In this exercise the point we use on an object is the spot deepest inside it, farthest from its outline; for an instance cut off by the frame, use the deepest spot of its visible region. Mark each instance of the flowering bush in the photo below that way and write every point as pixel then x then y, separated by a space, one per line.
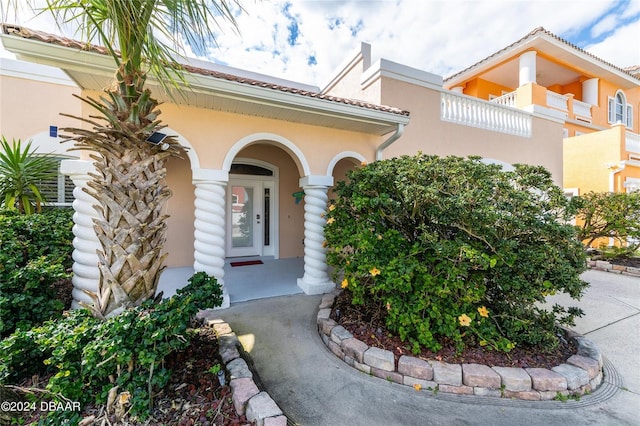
pixel 455 250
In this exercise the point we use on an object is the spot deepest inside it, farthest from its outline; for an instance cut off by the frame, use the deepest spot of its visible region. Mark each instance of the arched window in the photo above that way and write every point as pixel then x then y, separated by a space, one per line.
pixel 620 111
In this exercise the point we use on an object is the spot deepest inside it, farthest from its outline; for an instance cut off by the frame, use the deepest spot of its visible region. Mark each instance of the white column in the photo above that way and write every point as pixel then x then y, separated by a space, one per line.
pixel 209 244
pixel 590 91
pixel 316 278
pixel 86 274
pixel 528 67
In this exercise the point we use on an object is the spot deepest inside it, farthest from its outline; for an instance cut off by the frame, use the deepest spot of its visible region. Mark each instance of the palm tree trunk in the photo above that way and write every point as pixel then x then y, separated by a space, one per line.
pixel 130 187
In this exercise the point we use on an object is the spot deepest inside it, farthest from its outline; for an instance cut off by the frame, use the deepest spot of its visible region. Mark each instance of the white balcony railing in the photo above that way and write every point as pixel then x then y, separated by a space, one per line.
pixel 582 109
pixel 473 112
pixel 557 101
pixel 632 142
pixel 508 99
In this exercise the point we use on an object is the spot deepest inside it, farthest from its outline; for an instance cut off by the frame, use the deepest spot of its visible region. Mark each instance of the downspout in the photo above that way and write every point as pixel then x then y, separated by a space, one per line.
pixel 384 145
pixel 613 170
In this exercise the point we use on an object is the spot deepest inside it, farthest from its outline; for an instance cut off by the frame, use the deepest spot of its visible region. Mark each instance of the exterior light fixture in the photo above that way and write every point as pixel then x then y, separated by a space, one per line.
pixel 157 138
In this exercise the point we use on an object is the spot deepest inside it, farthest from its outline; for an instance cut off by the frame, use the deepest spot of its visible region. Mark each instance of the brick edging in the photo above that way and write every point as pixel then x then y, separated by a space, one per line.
pixel 247 398
pixel 580 374
pixel 603 265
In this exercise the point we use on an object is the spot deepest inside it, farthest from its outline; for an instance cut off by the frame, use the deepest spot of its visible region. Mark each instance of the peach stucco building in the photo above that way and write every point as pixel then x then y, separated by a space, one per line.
pixel 598 101
pixel 257 145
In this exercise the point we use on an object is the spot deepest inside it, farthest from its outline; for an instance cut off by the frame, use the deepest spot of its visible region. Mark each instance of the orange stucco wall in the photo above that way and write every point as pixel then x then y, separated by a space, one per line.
pixel 483 89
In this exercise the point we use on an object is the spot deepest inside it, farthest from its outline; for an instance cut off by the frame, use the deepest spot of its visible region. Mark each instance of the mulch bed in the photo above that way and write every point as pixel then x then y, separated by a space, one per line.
pixel 633 262
pixel 372 331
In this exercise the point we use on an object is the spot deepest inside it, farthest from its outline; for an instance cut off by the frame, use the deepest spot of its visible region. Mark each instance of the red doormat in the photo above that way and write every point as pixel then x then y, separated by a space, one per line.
pixel 247 262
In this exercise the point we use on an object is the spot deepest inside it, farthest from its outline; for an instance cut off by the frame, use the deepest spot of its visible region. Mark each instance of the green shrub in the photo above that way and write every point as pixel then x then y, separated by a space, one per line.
pixel 455 250
pixel 86 357
pixel 609 215
pixel 35 253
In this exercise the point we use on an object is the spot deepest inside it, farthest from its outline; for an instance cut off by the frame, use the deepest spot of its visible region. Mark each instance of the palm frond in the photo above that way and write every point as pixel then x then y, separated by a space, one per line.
pixel 147 34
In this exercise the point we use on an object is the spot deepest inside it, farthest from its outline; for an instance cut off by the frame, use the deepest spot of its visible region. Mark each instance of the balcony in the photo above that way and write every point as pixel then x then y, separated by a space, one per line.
pixel 581 110
pixel 482 114
pixel 557 101
pixel 632 142
pixel 574 108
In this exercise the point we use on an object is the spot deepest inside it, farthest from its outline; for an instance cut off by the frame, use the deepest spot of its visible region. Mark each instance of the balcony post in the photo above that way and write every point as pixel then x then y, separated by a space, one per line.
pixel 528 67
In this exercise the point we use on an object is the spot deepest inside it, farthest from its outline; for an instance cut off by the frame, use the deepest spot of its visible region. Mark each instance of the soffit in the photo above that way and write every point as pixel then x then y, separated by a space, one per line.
pixel 568 65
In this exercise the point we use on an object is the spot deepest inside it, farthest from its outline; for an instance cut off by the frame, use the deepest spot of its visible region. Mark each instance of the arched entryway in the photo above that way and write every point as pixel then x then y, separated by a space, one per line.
pixel 252 206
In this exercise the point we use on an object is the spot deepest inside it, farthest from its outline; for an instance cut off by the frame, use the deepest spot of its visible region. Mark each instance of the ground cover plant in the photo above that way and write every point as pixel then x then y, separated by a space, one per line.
pixel 35 267
pixel 455 252
pixel 122 364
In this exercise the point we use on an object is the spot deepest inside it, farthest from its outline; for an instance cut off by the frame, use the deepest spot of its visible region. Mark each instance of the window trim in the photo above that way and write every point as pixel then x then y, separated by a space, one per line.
pixel 619 100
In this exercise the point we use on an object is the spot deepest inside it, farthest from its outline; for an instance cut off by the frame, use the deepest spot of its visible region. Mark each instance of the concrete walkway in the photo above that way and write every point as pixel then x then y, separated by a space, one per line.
pixel 313 387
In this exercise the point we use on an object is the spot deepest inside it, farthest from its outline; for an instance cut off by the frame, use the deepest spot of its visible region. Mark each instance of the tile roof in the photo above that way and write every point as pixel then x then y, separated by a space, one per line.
pixel 20 31
pixel 541 30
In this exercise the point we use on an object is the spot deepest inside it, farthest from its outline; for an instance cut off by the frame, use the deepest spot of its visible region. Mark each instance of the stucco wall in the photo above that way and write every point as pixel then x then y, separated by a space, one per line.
pixel 213 134
pixel 28 107
pixel 586 159
pixel 180 209
pixel 429 134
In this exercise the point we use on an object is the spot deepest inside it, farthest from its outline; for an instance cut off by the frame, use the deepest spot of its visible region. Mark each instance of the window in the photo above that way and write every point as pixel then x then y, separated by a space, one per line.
pixel 620 111
pixel 57 191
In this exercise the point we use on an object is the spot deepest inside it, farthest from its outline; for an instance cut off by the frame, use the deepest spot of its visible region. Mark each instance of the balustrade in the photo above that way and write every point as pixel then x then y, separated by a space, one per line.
pixel 557 101
pixel 632 142
pixel 479 113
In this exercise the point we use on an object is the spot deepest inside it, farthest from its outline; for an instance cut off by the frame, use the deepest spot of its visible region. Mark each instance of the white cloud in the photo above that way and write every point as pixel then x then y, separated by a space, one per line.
pixel 607 24
pixel 621 48
pixel 439 36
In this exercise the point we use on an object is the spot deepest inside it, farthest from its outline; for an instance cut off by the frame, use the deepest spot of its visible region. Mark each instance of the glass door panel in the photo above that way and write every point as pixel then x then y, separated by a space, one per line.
pixel 242 216
pixel 244 225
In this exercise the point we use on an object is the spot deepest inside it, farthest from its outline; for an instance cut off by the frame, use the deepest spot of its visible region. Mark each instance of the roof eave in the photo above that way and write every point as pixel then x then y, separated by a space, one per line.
pixel 528 43
pixel 70 59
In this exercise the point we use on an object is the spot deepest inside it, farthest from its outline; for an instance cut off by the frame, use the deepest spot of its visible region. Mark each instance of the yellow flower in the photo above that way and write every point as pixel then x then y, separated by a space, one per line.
pixel 417 386
pixel 483 311
pixel 344 283
pixel 332 207
pixel 374 271
pixel 330 221
pixel 483 343
pixel 364 163
pixel 379 236
pixel 465 321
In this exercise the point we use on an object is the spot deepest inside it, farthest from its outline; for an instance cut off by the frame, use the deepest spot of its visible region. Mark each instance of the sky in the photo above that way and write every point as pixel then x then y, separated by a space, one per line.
pixel 307 40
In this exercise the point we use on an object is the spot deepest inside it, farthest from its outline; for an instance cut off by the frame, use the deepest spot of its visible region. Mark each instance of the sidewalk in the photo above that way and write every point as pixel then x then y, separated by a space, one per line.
pixel 313 387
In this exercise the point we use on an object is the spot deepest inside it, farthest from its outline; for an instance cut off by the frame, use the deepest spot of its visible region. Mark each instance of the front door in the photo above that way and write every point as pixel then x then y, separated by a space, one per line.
pixel 246 218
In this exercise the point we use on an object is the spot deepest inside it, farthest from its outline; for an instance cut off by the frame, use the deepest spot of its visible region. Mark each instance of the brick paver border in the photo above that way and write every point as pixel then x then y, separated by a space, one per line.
pixel 582 373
